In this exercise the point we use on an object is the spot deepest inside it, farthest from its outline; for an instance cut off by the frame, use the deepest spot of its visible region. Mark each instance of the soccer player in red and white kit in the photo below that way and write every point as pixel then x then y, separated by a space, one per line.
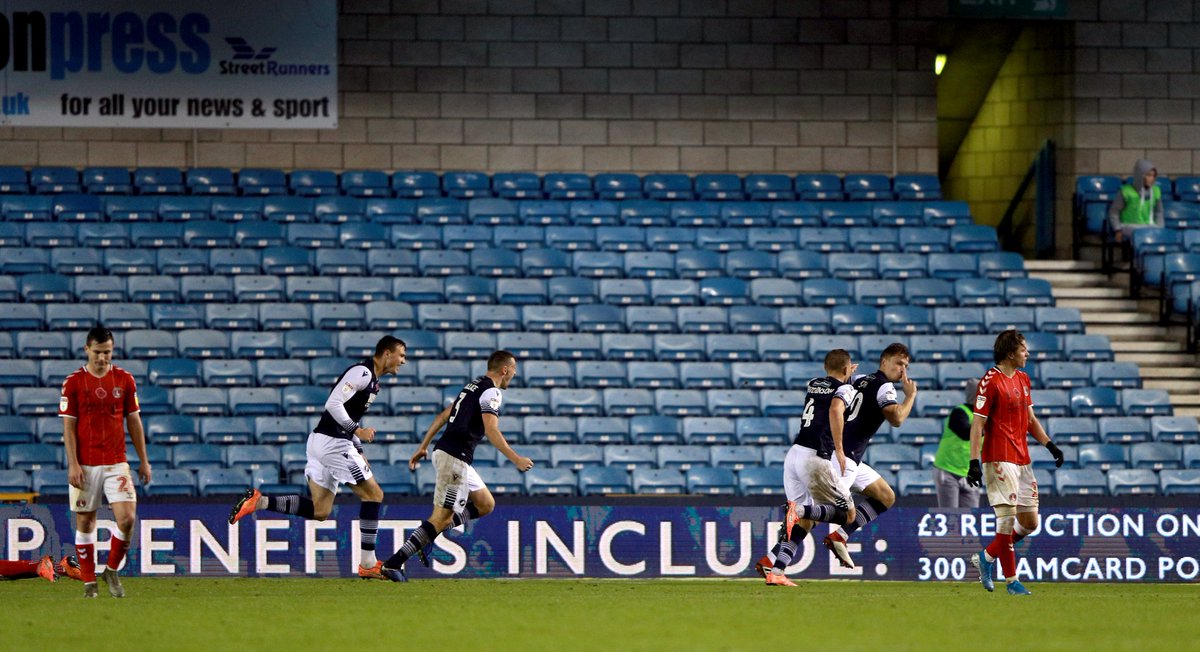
pixel 98 402
pixel 1004 415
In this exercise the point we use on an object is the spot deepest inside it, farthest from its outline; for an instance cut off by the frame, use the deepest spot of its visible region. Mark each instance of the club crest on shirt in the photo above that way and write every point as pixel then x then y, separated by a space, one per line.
pixel 116 392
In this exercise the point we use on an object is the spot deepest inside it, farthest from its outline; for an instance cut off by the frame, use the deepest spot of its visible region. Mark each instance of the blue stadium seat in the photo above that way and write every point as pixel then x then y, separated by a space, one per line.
pixel 1124 430
pixel 1179 482
pixel 600 430
pixel 13 180
pixel 1175 429
pixel 897 214
pixel 868 187
pixel 33 457
pixel 594 213
pixel 107 181
pixel 1028 292
pixel 1059 320
pixel 795 214
pixel 1071 482
pixel 658 481
pixel 958 320
pixel 628 402
pixel 906 319
pixel 1146 402
pixel 391 211
pixel 929 292
pixel 1103 456
pixel 30 316
pixel 238 209
pixel 568 186
pixel 1073 430
pixel 538 213
pixel 364 183
pixel 1001 318
pixel 491 212
pixel 917 431
pixel 312 183
pixel 571 238
pixel 43 346
pixel 846 215
pixel 554 318
pixel 805 320
pixel 978 292
pixel 760 481
pixel 441 211
pixel 1088 347
pixel 855 319
pixel 1116 374
pixel 977 348
pixel 27 208
pixel 913 482
pixel 197 456
pixel 517 185
pixel 956 375
pixel 1051 403
pixel 53 180
pixel 14 481
pixel 603 480
pixel 951 266
pixel 222 482
pixel 420 290
pixel 947 213
pixel 348 210
pixel 774 187
pixel 281 430
pixel 875 292
pixel 893 457
pixel 973 238
pixel 818 187
pixel 261 181
pixel 924 240
pixel 911 187
pixel 1132 481
pixel 227 430
pixel 824 239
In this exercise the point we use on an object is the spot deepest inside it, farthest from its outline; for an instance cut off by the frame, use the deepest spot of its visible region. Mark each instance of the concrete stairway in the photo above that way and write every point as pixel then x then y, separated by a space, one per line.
pixel 1132 326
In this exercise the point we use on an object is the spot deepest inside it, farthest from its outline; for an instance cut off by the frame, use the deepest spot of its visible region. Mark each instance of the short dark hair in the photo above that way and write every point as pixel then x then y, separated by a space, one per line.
pixel 388 343
pixel 500 359
pixel 836 360
pixel 894 349
pixel 1007 344
pixel 98 335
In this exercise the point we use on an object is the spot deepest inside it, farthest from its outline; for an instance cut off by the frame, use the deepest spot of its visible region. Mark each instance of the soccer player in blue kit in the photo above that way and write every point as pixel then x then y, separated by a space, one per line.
pixel 813 468
pixel 459 495
pixel 874 402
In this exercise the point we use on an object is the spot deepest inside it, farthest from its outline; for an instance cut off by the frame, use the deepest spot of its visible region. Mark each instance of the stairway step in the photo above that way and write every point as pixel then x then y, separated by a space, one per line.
pixel 1151 346
pixel 1148 359
pixel 1138 318
pixel 1161 373
pixel 1190 411
pixel 1063 292
pixel 1185 401
pixel 1074 279
pixel 1173 385
pixel 1100 305
pixel 1059 265
pixel 1126 333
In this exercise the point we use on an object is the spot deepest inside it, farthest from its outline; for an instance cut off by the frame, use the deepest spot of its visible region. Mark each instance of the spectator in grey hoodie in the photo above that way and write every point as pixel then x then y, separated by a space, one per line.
pixel 1137 205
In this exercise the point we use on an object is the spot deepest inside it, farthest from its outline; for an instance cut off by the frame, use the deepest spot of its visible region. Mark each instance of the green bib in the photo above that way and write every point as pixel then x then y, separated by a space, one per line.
pixel 954 454
pixel 1137 211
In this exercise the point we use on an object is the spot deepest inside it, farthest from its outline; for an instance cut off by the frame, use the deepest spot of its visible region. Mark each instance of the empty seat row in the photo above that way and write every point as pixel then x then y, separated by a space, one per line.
pixel 35 272
pixel 463 184
pixel 663 346
pixel 80 208
pixel 645 398
pixel 396 479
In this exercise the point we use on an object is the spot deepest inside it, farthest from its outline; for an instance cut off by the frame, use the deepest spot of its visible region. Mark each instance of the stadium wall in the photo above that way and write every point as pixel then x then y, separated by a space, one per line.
pixel 646 538
pixel 591 85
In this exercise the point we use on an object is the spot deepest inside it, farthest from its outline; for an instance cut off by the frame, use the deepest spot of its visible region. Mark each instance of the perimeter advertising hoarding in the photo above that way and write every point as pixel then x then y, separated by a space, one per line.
pixel 181 539
pixel 144 63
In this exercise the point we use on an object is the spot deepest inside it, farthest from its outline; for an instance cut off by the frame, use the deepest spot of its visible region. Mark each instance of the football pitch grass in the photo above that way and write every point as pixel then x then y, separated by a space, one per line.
pixel 228 615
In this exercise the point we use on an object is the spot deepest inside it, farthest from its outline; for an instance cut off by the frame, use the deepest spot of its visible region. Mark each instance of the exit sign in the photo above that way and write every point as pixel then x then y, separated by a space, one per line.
pixel 1008 8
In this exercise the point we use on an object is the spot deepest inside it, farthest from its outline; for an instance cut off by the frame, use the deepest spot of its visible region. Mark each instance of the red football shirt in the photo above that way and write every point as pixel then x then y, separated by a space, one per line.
pixel 100 406
pixel 1005 403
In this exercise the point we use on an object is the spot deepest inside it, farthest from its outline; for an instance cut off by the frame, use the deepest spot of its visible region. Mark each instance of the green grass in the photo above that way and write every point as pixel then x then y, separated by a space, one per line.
pixel 229 615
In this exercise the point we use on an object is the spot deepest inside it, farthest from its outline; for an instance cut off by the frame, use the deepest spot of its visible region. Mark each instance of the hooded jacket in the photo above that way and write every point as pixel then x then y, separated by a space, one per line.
pixel 1118 207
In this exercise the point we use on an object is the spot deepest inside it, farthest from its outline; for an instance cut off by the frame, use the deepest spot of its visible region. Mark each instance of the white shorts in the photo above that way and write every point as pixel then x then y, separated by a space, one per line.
pixel 455 481
pixel 333 462
pixel 1010 484
pixel 113 481
pixel 809 479
pixel 858 476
